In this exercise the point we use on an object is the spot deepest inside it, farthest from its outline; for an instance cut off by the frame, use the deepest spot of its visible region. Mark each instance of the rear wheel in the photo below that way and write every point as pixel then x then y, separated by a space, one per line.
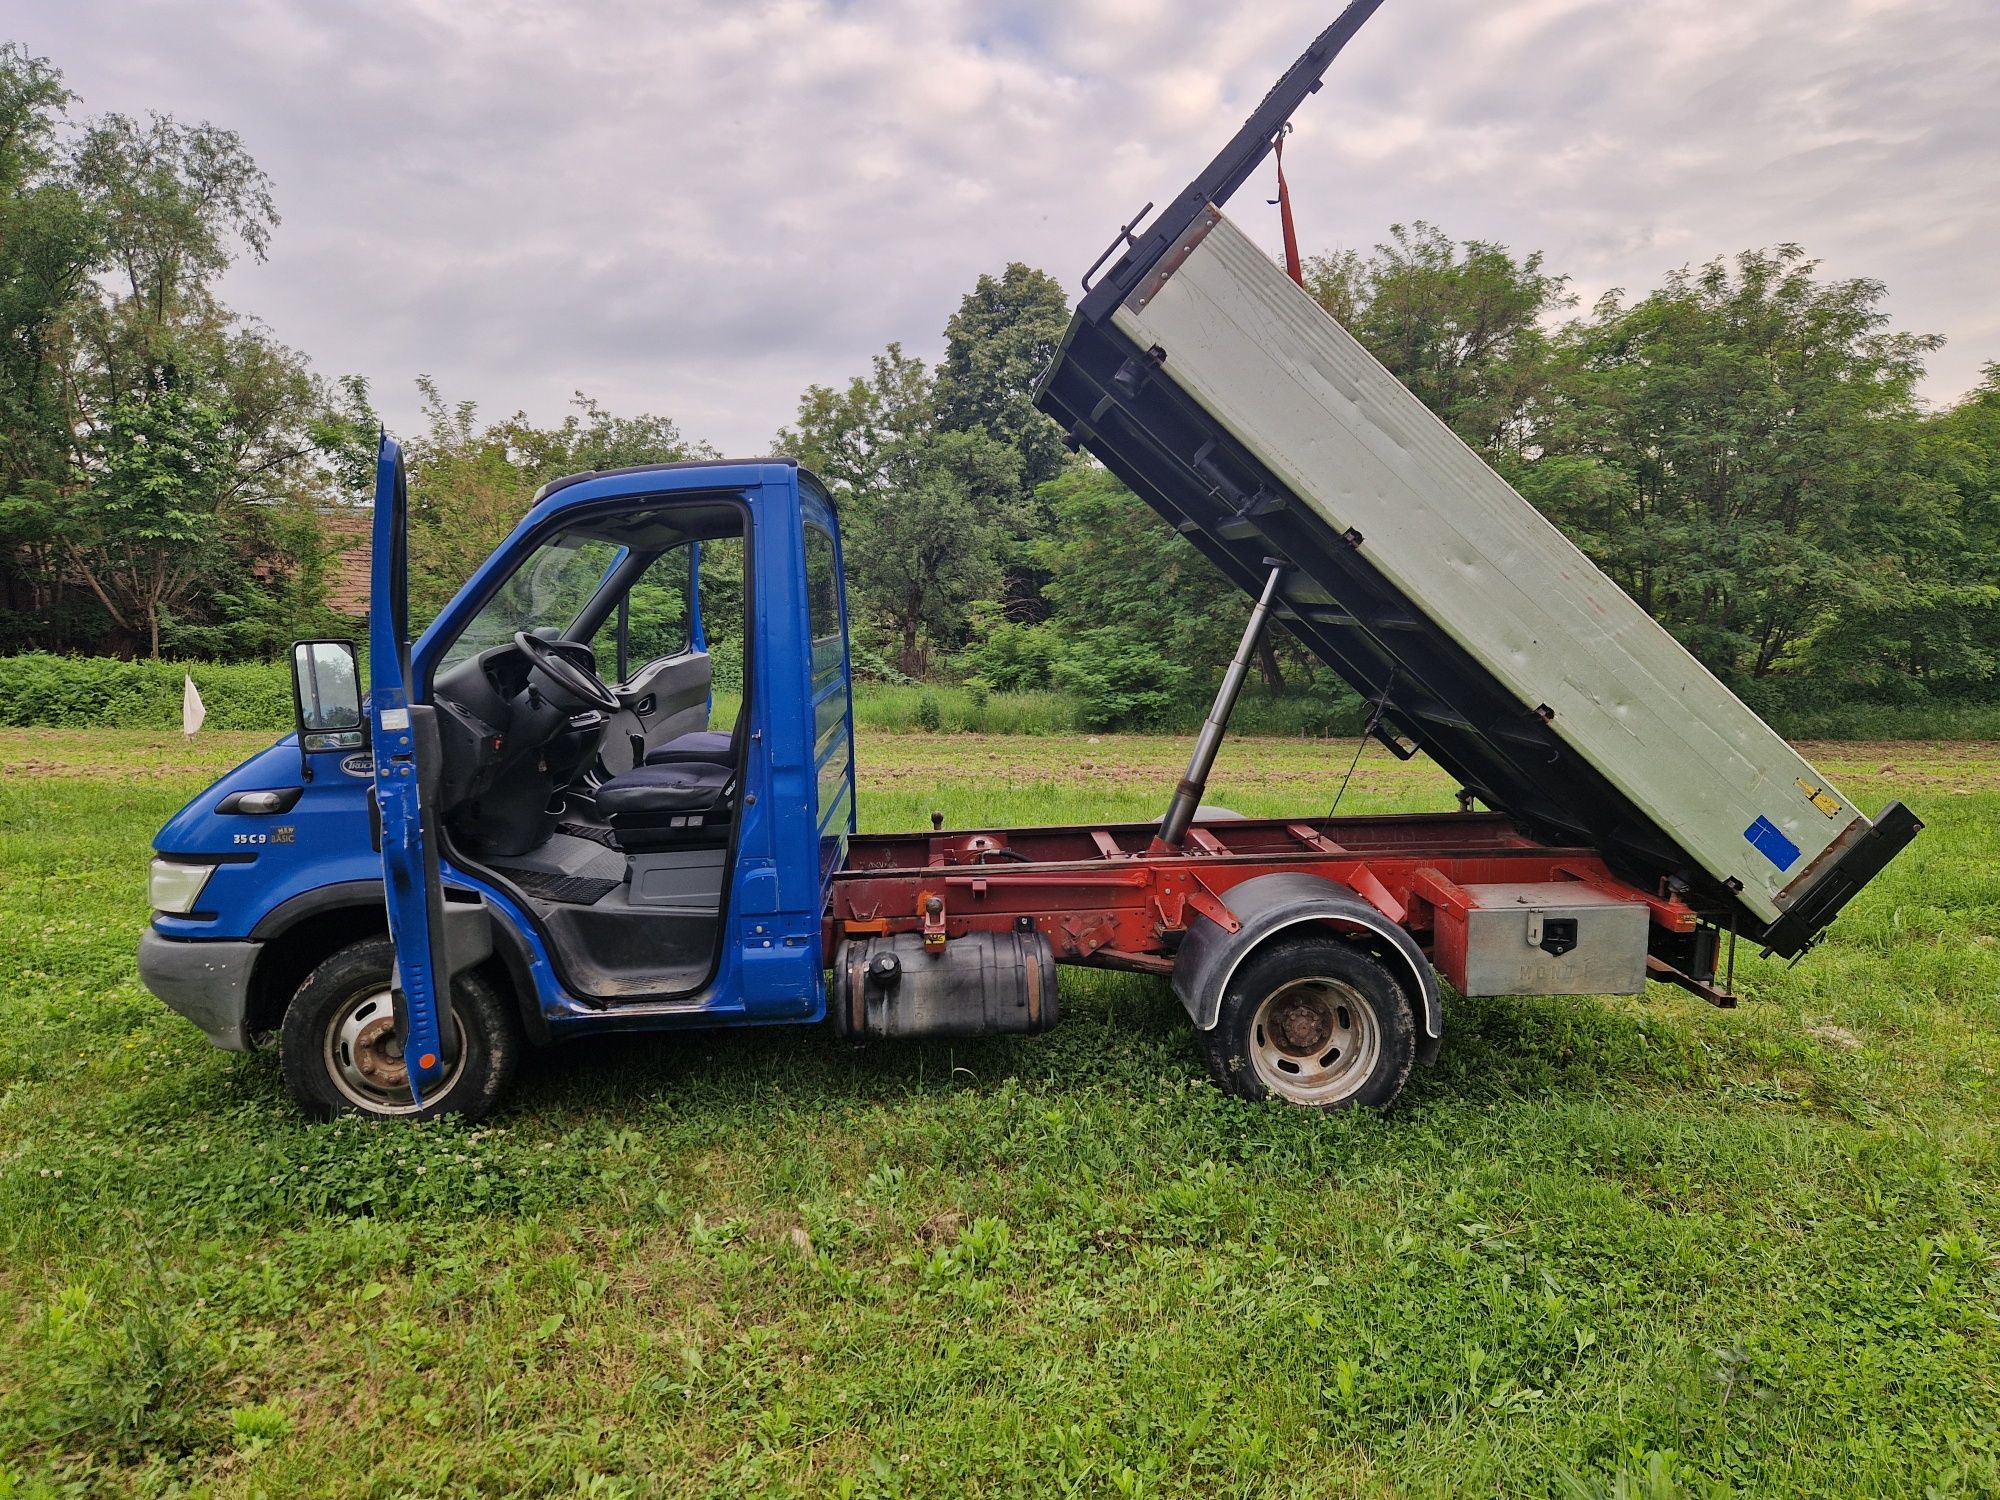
pixel 341 1057
pixel 1315 1022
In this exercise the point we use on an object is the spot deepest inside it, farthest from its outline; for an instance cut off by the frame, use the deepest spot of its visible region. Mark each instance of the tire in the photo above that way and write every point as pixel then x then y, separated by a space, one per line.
pixel 335 1061
pixel 1348 1040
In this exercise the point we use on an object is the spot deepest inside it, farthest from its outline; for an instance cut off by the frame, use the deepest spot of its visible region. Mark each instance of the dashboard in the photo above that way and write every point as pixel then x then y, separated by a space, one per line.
pixel 507 749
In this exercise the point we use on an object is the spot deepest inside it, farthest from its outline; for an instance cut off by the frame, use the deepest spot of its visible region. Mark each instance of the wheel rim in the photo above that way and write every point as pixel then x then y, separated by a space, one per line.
pixel 365 1062
pixel 1315 1041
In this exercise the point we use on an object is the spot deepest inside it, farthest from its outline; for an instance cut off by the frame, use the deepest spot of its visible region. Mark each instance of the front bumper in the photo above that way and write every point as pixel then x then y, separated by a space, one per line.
pixel 208 982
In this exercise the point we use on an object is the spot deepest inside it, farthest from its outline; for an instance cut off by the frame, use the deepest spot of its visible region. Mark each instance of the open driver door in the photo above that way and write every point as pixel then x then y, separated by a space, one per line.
pixel 406 779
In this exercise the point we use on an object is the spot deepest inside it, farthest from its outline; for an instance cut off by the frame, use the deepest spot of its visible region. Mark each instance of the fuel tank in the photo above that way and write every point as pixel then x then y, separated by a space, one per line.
pixel 982 984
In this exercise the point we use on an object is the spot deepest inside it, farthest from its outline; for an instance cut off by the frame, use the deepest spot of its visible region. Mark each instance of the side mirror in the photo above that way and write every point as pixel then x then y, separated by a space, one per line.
pixel 326 692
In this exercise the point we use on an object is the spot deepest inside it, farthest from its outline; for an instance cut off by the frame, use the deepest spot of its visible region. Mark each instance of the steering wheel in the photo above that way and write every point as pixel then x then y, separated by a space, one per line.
pixel 546 656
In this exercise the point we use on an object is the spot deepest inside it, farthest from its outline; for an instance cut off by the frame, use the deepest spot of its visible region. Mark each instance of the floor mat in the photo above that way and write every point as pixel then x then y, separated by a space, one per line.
pixel 588 831
pixel 546 885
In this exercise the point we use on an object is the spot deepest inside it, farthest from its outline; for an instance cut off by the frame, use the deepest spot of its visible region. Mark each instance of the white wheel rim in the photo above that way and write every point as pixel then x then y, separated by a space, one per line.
pixel 364 1063
pixel 1315 1041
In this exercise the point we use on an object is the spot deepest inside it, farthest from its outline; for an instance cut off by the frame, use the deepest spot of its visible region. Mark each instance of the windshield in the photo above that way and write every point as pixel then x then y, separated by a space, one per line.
pixel 544 595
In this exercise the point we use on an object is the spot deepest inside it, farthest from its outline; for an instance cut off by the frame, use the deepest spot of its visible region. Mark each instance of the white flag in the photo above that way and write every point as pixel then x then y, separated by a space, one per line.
pixel 193 711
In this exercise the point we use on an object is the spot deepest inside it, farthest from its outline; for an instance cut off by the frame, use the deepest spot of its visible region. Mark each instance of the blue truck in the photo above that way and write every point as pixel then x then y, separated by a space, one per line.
pixel 530 824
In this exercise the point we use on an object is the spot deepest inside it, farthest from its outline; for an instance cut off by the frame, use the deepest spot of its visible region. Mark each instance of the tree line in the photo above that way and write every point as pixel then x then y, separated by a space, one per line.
pixel 1742 448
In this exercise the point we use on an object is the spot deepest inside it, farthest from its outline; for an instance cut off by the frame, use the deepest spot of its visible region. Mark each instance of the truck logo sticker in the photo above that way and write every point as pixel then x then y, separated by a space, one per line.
pixel 362 765
pixel 1820 798
pixel 1767 840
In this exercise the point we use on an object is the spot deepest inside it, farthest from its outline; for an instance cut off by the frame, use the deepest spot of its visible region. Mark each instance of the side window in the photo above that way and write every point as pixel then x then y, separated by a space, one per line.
pixel 653 618
pixel 822 586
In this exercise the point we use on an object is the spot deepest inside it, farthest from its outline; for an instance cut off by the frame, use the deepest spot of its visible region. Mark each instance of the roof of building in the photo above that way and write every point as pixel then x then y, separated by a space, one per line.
pixel 347 576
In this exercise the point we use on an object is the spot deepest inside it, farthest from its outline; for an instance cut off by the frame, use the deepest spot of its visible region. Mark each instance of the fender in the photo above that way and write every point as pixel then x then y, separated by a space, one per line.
pixel 468 919
pixel 474 930
pixel 340 893
pixel 1271 904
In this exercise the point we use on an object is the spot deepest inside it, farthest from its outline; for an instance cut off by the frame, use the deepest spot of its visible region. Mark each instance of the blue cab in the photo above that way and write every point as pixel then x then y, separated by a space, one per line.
pixel 535 809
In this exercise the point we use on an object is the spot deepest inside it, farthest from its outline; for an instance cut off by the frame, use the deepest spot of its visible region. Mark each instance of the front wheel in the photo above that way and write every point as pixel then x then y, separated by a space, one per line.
pixel 341 1057
pixel 1316 1022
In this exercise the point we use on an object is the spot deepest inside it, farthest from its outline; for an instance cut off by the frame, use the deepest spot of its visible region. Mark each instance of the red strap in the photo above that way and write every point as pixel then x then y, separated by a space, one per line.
pixel 1293 267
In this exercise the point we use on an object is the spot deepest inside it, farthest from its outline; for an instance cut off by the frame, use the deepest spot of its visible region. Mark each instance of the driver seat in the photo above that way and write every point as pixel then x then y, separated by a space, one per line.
pixel 667 807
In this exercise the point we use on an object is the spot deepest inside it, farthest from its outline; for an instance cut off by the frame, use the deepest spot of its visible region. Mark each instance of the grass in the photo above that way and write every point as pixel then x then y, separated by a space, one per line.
pixel 1620 1247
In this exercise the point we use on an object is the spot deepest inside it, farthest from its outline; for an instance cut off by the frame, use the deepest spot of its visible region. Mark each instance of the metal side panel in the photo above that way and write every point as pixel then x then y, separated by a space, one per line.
pixel 1375 470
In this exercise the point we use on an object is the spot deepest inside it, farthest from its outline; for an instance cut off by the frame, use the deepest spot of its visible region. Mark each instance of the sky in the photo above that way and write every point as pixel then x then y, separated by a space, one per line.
pixel 699 209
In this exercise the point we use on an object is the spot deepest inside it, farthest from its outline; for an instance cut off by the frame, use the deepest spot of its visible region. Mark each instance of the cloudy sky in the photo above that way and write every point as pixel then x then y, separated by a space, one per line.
pixel 697 209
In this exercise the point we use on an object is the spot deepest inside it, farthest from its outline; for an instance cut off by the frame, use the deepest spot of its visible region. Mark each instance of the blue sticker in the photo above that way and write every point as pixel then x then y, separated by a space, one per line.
pixel 1768 841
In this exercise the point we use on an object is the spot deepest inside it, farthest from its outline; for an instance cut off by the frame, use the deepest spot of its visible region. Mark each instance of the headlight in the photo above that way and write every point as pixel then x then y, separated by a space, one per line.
pixel 174 887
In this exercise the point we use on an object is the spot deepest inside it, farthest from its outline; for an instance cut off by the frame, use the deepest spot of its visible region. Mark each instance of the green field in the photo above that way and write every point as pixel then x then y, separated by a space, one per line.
pixel 1630 1247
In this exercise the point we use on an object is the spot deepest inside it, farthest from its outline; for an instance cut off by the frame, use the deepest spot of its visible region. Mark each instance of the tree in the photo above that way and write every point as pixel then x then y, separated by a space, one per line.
pixel 924 557
pixel 48 241
pixel 925 509
pixel 1141 618
pixel 175 200
pixel 149 441
pixel 1112 561
pixel 150 529
pixel 996 346
pixel 1923 615
pixel 999 342
pixel 174 203
pixel 1721 446
pixel 852 437
pixel 158 455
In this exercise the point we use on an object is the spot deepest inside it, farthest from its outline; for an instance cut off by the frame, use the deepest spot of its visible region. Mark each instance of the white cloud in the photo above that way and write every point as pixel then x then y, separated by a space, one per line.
pixel 697 209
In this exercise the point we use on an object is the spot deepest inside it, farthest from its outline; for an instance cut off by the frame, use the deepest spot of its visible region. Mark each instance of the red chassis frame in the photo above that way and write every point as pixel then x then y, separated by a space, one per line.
pixel 1103 897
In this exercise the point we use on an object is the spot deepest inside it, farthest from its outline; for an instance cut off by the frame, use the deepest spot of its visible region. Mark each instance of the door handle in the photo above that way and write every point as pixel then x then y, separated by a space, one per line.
pixel 645 706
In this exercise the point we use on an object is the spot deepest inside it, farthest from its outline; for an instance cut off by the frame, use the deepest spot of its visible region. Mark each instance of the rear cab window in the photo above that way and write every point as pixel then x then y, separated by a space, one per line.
pixel 833 745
